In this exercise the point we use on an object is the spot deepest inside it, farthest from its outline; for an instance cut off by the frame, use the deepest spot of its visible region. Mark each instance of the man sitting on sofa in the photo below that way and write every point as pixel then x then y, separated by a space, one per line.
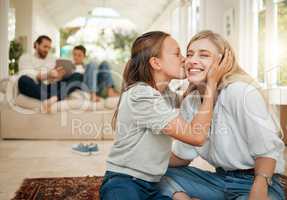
pixel 40 79
pixel 97 79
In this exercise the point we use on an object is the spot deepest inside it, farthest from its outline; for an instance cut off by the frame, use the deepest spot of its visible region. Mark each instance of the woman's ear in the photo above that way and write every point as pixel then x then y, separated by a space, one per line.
pixel 154 62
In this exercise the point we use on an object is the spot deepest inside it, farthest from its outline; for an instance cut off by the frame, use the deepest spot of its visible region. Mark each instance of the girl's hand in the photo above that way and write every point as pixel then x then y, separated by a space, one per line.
pixel 217 70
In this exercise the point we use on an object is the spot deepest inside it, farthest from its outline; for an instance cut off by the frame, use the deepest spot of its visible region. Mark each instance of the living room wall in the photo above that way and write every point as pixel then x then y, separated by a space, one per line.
pixel 33 20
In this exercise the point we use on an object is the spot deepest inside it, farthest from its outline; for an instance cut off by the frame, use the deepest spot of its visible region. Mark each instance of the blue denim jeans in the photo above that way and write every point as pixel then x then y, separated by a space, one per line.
pixel 42 91
pixel 218 185
pixel 99 78
pixel 118 186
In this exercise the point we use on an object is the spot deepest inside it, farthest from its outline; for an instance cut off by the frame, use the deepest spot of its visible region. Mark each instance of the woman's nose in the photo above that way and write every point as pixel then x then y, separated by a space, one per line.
pixel 194 61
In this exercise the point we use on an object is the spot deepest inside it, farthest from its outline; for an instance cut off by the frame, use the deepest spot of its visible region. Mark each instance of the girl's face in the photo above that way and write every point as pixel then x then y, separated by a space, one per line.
pixel 171 60
pixel 201 54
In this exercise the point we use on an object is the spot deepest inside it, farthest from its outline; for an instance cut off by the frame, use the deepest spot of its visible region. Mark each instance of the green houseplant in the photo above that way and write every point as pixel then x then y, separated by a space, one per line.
pixel 15 52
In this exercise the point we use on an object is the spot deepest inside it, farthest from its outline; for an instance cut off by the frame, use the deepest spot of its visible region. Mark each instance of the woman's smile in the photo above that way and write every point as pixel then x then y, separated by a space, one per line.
pixel 192 70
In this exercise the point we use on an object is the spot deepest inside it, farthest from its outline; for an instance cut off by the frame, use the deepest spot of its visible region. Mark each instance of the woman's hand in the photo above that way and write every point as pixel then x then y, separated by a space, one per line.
pixel 259 189
pixel 218 69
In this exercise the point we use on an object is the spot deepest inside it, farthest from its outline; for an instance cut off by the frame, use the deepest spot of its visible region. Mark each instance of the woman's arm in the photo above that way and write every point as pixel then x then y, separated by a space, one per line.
pixel 263 167
pixel 175 161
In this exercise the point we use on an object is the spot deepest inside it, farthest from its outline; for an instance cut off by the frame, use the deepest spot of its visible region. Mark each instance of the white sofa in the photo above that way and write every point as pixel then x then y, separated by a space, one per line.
pixel 73 118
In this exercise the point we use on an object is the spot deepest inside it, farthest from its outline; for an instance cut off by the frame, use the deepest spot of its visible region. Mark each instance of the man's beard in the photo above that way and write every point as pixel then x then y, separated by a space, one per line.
pixel 42 54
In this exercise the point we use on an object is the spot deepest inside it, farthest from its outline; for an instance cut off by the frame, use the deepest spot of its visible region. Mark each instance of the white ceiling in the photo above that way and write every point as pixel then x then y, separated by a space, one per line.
pixel 141 12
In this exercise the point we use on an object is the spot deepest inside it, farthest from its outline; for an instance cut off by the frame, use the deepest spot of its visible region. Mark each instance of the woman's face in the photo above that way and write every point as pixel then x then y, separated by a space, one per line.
pixel 201 54
pixel 171 60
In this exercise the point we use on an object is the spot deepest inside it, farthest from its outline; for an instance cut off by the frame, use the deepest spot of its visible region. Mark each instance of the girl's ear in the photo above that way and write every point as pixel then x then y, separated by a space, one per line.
pixel 154 62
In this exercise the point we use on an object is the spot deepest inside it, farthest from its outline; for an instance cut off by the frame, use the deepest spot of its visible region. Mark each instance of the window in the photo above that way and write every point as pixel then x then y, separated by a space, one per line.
pixel 282 41
pixel 193 18
pixel 175 22
pixel 11 24
pixel 261 43
pixel 272 40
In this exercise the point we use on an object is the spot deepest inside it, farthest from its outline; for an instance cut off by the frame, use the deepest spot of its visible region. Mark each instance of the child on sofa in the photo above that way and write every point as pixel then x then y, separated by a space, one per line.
pixel 97 79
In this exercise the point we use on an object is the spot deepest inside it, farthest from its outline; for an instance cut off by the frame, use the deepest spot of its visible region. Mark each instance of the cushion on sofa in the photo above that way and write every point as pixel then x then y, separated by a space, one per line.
pixel 111 102
pixel 28 102
pixel 79 94
pixel 12 89
pixel 78 100
pixel 3 85
pixel 76 104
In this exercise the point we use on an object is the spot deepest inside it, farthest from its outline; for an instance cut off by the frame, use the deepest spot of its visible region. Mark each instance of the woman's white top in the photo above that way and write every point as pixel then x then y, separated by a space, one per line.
pixel 242 129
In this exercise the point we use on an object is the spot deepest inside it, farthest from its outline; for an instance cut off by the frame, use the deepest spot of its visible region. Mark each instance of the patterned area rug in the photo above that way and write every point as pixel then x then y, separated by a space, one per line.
pixel 72 188
pixel 78 188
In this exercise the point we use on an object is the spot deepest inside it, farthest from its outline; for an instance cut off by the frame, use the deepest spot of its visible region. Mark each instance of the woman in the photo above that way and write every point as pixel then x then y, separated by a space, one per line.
pixel 146 119
pixel 244 142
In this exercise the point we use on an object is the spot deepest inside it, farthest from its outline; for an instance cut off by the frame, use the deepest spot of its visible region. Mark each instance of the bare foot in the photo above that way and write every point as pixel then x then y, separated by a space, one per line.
pixel 182 196
pixel 95 97
pixel 46 105
pixel 112 92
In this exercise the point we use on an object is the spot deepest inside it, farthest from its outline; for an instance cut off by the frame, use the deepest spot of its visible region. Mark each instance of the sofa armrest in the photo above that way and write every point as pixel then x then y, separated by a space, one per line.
pixel 12 89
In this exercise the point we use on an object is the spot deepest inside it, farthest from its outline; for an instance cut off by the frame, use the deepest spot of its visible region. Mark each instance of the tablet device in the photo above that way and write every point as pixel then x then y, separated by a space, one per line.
pixel 68 66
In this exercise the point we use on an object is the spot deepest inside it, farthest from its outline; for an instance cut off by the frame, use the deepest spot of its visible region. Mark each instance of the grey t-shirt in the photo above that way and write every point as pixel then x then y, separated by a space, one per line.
pixel 141 149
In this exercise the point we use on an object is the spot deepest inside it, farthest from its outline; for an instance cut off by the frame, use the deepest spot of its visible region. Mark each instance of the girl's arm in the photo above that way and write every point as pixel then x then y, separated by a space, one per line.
pixel 196 132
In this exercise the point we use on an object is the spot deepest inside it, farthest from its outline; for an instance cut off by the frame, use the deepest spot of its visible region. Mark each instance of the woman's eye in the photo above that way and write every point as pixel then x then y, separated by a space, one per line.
pixel 204 55
pixel 189 55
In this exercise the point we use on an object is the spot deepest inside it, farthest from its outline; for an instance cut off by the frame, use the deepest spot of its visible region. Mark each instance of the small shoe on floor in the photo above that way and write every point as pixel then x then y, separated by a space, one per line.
pixel 85 149
pixel 81 149
pixel 93 148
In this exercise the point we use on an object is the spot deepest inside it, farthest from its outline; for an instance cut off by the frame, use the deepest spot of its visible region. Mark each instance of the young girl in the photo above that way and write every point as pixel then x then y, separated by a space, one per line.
pixel 146 119
pixel 243 144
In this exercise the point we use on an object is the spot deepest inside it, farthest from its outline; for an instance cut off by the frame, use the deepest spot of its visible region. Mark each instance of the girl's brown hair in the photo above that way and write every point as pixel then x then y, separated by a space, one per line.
pixel 138 68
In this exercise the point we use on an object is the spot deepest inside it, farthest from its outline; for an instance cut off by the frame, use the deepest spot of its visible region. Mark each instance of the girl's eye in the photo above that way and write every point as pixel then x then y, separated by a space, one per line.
pixel 189 55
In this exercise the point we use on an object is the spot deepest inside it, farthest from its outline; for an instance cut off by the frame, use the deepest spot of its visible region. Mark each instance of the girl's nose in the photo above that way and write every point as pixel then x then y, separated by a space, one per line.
pixel 183 59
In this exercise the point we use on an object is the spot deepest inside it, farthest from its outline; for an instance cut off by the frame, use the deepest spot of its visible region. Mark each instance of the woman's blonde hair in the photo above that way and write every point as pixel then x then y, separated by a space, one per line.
pixel 235 74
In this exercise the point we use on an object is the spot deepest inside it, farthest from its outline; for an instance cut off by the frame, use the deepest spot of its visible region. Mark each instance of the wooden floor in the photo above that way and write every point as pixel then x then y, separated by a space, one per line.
pixel 31 159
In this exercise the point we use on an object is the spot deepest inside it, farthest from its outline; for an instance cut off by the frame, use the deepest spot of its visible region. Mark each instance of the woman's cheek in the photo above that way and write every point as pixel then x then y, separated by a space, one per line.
pixel 207 64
